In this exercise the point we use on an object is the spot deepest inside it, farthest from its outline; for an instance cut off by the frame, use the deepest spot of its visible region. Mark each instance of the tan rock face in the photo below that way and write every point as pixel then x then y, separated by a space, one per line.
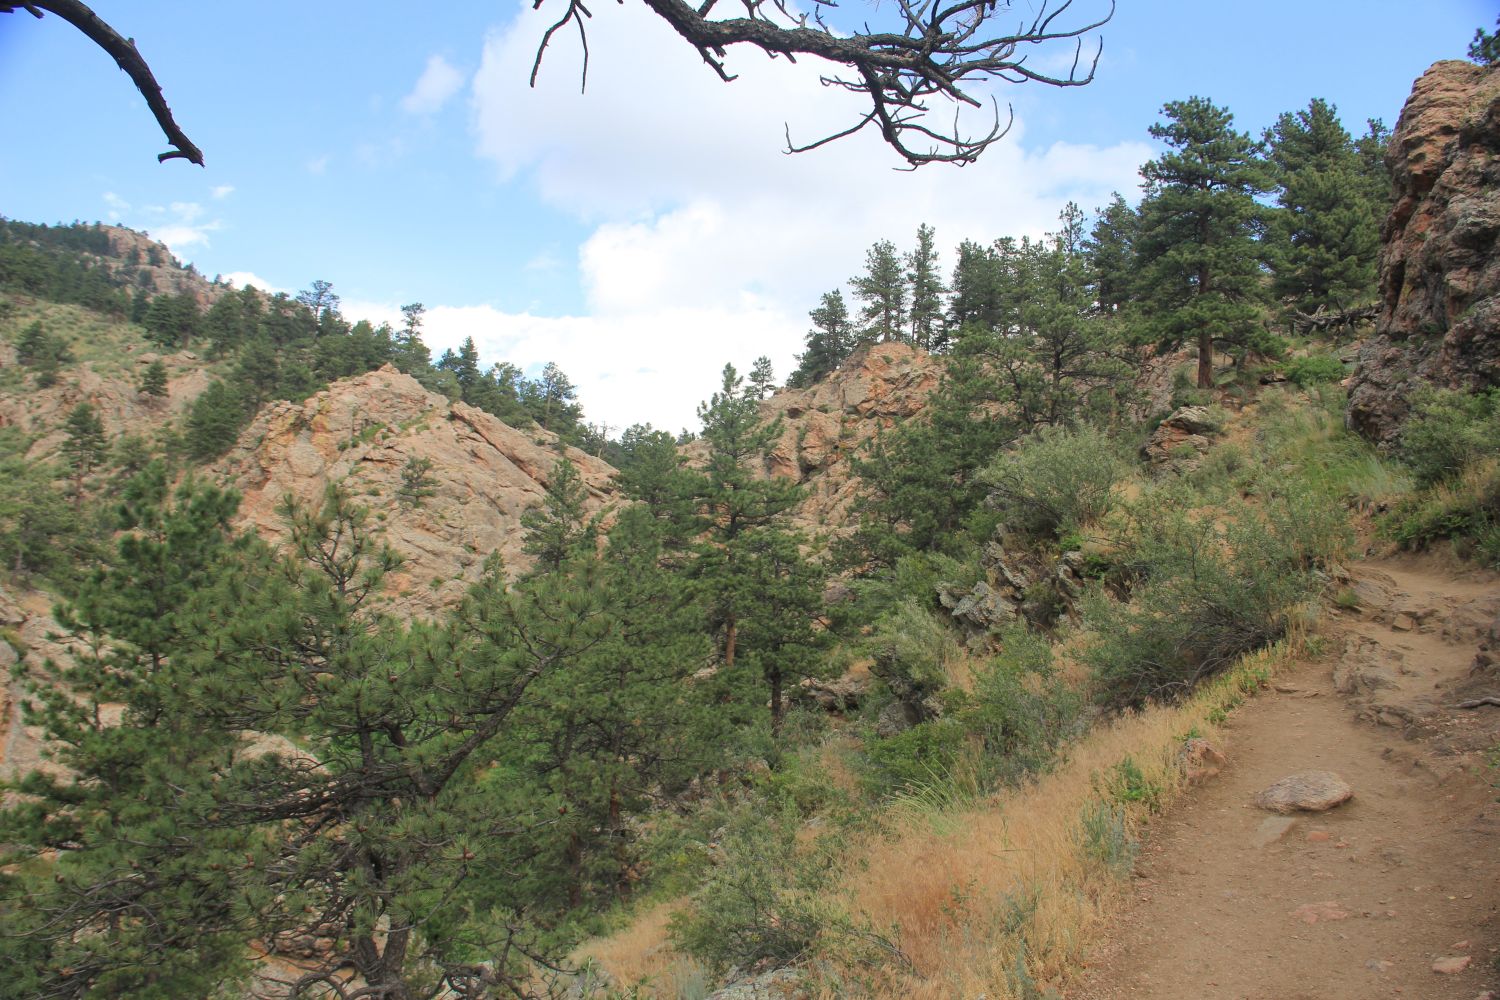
pixel 823 426
pixel 361 431
pixel 1439 317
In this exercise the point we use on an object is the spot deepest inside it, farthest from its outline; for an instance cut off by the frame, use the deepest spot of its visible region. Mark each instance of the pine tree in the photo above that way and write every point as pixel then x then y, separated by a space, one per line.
pixel 927 292
pixel 85 446
pixel 552 401
pixel 1200 258
pixel 1485 49
pixel 154 380
pixel 1327 234
pixel 975 301
pixel 1112 256
pixel 288 761
pixel 559 529
pixel 882 289
pixel 214 422
pixel 417 483
pixel 762 379
pixel 828 343
pixel 755 592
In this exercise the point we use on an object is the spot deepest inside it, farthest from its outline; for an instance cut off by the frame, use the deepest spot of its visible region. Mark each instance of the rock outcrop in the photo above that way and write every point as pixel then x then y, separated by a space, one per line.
pixel 361 432
pixel 1439 319
pixel 113 392
pixel 824 425
pixel 1182 438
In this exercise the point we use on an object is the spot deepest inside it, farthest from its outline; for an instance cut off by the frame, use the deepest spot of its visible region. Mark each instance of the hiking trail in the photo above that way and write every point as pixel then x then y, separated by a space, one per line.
pixel 1372 897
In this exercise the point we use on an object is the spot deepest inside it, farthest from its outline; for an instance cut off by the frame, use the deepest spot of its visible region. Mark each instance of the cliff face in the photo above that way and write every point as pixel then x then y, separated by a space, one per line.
pixel 361 432
pixel 1439 317
pixel 825 425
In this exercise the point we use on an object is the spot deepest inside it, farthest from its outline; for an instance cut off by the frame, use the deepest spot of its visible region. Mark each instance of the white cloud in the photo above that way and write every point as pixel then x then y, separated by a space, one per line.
pixel 434 88
pixel 117 206
pixel 709 243
pixel 222 191
pixel 245 279
pixel 318 164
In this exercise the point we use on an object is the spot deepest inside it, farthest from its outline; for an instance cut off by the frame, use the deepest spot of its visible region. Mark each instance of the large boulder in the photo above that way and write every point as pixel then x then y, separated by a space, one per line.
pixel 1439 321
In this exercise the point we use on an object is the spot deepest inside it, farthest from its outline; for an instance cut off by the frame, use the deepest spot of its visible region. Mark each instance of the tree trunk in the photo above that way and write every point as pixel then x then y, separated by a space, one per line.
pixel 731 636
pixel 1205 339
pixel 778 710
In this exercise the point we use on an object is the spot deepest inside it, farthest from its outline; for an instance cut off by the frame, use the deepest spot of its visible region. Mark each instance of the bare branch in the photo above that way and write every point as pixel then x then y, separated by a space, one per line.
pixel 127 58
pixel 943 50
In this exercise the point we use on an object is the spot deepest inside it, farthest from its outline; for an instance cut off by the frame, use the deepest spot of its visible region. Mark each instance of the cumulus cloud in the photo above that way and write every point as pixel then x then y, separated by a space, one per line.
pixel 434 88
pixel 709 244
pixel 222 191
pixel 247 279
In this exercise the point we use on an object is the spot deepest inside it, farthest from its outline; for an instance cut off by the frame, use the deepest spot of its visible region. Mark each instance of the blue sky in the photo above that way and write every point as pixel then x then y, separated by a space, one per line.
pixel 645 232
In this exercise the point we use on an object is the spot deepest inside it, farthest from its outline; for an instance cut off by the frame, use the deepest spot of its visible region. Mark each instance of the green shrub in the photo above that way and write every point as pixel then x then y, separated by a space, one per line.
pixel 763 901
pixel 1021 709
pixel 1447 430
pixel 922 757
pixel 1466 510
pixel 1314 369
pixel 1105 837
pixel 1056 480
pixel 911 652
pixel 1202 595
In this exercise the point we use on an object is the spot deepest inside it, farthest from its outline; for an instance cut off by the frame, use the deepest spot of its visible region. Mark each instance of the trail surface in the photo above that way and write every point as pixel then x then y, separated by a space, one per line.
pixel 1231 901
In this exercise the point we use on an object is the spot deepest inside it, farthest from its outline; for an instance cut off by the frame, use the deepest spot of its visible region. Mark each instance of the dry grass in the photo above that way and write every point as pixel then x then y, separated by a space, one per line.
pixel 994 897
pixel 641 953
pixel 969 891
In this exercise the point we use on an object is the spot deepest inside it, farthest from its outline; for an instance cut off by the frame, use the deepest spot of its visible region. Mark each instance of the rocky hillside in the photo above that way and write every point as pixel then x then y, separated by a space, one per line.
pixel 362 432
pixel 1439 317
pixel 825 425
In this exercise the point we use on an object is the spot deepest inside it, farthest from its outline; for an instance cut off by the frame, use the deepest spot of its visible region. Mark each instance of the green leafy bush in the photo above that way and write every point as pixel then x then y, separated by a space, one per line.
pixel 1447 430
pixel 1056 480
pixel 1021 709
pixel 911 652
pixel 922 757
pixel 1314 369
pixel 1204 593
pixel 1466 510
pixel 762 901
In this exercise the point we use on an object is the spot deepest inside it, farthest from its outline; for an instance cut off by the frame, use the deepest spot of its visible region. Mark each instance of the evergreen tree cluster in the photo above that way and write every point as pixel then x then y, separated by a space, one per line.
pixel 442 801
pixel 1200 259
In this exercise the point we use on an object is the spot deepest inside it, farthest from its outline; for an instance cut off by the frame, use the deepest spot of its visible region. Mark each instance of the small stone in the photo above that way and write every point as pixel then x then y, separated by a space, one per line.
pixel 1307 791
pixel 1378 965
pixel 1318 836
pixel 1459 946
pixel 1452 966
pixel 1311 913
pixel 1403 623
pixel 1272 829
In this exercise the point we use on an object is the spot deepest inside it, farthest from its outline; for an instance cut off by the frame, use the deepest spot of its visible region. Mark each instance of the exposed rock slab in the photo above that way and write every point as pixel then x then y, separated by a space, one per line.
pixel 1306 791
pixel 1439 321
pixel 361 432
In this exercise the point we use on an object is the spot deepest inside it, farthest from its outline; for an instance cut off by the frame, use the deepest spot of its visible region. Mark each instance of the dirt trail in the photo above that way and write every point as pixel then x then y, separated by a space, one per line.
pixel 1359 901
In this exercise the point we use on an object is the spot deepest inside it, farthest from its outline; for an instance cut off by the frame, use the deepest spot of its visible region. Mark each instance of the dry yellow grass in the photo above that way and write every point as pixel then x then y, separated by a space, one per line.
pixel 968 891
pixel 641 953
pixel 983 896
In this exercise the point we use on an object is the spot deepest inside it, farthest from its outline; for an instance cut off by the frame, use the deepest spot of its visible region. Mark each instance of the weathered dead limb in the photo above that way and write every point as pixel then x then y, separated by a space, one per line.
pixel 1478 702
pixel 942 50
pixel 126 56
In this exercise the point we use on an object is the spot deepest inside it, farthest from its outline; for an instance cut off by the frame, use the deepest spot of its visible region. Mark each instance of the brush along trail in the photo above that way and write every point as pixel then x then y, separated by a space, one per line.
pixel 1394 893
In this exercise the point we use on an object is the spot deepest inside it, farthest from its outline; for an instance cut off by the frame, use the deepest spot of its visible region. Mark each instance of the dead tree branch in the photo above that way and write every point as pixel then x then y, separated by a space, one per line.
pixel 124 52
pixel 943 51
